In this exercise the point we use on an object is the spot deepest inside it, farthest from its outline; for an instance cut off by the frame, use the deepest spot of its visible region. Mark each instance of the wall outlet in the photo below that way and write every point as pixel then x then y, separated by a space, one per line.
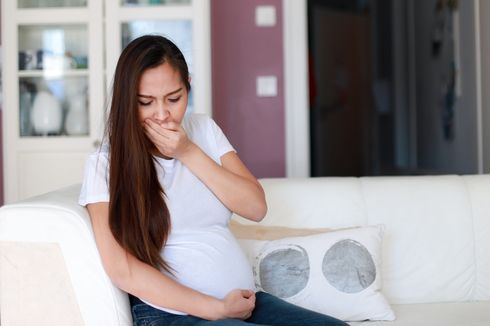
pixel 266 86
pixel 265 16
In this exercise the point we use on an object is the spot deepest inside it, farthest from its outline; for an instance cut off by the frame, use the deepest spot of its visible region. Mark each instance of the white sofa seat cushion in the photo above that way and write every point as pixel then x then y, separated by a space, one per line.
pixel 437 314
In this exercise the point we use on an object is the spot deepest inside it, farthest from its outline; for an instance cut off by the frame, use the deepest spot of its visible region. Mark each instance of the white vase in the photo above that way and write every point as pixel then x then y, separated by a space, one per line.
pixel 46 114
pixel 76 122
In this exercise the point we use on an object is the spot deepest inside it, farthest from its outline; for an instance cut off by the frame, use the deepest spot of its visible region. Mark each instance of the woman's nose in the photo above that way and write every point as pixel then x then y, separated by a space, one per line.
pixel 161 113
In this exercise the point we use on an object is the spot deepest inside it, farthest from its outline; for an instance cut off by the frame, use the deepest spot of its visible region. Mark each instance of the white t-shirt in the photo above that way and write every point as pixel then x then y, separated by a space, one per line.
pixel 200 248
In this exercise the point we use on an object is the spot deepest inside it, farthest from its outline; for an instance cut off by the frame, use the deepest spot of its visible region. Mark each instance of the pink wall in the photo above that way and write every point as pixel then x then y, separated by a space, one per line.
pixel 241 51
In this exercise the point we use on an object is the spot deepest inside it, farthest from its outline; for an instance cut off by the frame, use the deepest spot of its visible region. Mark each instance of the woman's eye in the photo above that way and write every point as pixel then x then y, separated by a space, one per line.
pixel 174 100
pixel 144 103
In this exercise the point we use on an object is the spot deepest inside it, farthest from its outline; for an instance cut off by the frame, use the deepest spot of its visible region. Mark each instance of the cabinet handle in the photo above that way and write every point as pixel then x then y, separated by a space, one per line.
pixel 96 143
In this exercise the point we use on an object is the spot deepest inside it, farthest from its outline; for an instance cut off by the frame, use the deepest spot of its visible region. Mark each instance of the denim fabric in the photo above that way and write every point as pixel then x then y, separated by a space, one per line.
pixel 269 310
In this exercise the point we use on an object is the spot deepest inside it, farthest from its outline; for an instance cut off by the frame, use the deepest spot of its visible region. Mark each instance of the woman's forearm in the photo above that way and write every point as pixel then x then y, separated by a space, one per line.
pixel 149 284
pixel 240 194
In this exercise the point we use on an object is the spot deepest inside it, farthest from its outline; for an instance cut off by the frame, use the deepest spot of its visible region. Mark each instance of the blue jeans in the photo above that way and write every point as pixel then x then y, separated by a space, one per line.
pixel 269 310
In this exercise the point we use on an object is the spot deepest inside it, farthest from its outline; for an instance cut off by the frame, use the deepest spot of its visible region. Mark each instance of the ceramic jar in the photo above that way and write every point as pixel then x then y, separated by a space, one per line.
pixel 76 122
pixel 46 114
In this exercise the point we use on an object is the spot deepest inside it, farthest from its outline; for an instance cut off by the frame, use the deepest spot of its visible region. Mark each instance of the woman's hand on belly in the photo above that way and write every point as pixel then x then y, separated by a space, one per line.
pixel 239 304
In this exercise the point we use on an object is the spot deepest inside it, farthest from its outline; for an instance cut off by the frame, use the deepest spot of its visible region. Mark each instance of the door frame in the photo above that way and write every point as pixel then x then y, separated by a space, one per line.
pixel 296 90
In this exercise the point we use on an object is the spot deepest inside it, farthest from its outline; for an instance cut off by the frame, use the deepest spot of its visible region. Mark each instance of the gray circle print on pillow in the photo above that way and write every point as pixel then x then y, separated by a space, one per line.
pixel 348 266
pixel 284 272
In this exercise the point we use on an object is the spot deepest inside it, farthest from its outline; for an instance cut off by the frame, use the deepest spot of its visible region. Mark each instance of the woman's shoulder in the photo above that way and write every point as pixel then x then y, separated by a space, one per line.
pixel 100 155
pixel 102 150
pixel 197 119
pixel 195 123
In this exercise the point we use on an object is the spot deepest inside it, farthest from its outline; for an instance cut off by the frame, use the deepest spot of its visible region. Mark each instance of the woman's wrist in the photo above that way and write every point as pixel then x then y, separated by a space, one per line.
pixel 186 154
pixel 214 309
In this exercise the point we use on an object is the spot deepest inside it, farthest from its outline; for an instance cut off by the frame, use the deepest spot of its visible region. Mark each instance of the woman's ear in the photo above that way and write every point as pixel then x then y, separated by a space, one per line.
pixel 189 79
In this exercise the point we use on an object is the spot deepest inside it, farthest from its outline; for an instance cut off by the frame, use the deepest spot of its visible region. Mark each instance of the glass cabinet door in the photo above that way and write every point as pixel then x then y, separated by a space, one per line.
pixel 185 22
pixel 53 55
pixel 53 80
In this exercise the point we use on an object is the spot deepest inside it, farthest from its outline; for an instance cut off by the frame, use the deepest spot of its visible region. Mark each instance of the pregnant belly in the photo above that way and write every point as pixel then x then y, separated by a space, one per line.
pixel 209 262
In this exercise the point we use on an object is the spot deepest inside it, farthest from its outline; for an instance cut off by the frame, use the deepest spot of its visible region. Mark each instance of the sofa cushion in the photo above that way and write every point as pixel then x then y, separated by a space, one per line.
pixel 312 203
pixel 478 193
pixel 429 248
pixel 336 273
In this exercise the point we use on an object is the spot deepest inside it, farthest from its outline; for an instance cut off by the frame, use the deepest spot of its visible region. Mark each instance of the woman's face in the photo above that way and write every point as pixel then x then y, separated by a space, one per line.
pixel 162 96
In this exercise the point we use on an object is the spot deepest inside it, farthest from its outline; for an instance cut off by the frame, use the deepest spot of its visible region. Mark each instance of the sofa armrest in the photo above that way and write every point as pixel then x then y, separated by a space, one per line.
pixel 56 218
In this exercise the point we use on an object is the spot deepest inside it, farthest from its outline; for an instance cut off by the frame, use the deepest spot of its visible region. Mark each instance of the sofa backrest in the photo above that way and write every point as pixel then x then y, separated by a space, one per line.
pixel 437 228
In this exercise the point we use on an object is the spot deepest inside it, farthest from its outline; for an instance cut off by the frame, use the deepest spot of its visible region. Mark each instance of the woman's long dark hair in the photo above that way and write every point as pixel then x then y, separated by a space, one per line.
pixel 138 215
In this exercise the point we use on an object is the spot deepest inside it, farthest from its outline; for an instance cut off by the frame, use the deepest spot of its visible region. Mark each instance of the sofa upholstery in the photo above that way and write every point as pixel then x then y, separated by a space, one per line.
pixel 436 266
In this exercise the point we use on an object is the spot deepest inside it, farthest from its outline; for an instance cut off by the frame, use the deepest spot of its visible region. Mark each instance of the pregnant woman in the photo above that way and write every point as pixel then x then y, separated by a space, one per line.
pixel 160 193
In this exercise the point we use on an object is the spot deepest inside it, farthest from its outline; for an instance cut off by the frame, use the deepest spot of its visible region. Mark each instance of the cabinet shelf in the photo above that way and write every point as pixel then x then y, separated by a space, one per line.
pixel 48 74
pixel 52 16
pixel 173 12
pixel 56 144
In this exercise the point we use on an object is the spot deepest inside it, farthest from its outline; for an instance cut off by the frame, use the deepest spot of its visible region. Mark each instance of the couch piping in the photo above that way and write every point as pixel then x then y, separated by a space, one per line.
pixel 472 214
pixel 361 189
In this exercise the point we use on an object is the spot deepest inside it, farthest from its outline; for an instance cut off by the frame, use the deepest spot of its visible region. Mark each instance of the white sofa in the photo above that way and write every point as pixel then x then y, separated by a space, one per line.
pixel 436 250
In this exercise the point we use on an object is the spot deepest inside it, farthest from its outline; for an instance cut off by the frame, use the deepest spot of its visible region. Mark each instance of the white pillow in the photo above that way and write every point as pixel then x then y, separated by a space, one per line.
pixel 337 273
